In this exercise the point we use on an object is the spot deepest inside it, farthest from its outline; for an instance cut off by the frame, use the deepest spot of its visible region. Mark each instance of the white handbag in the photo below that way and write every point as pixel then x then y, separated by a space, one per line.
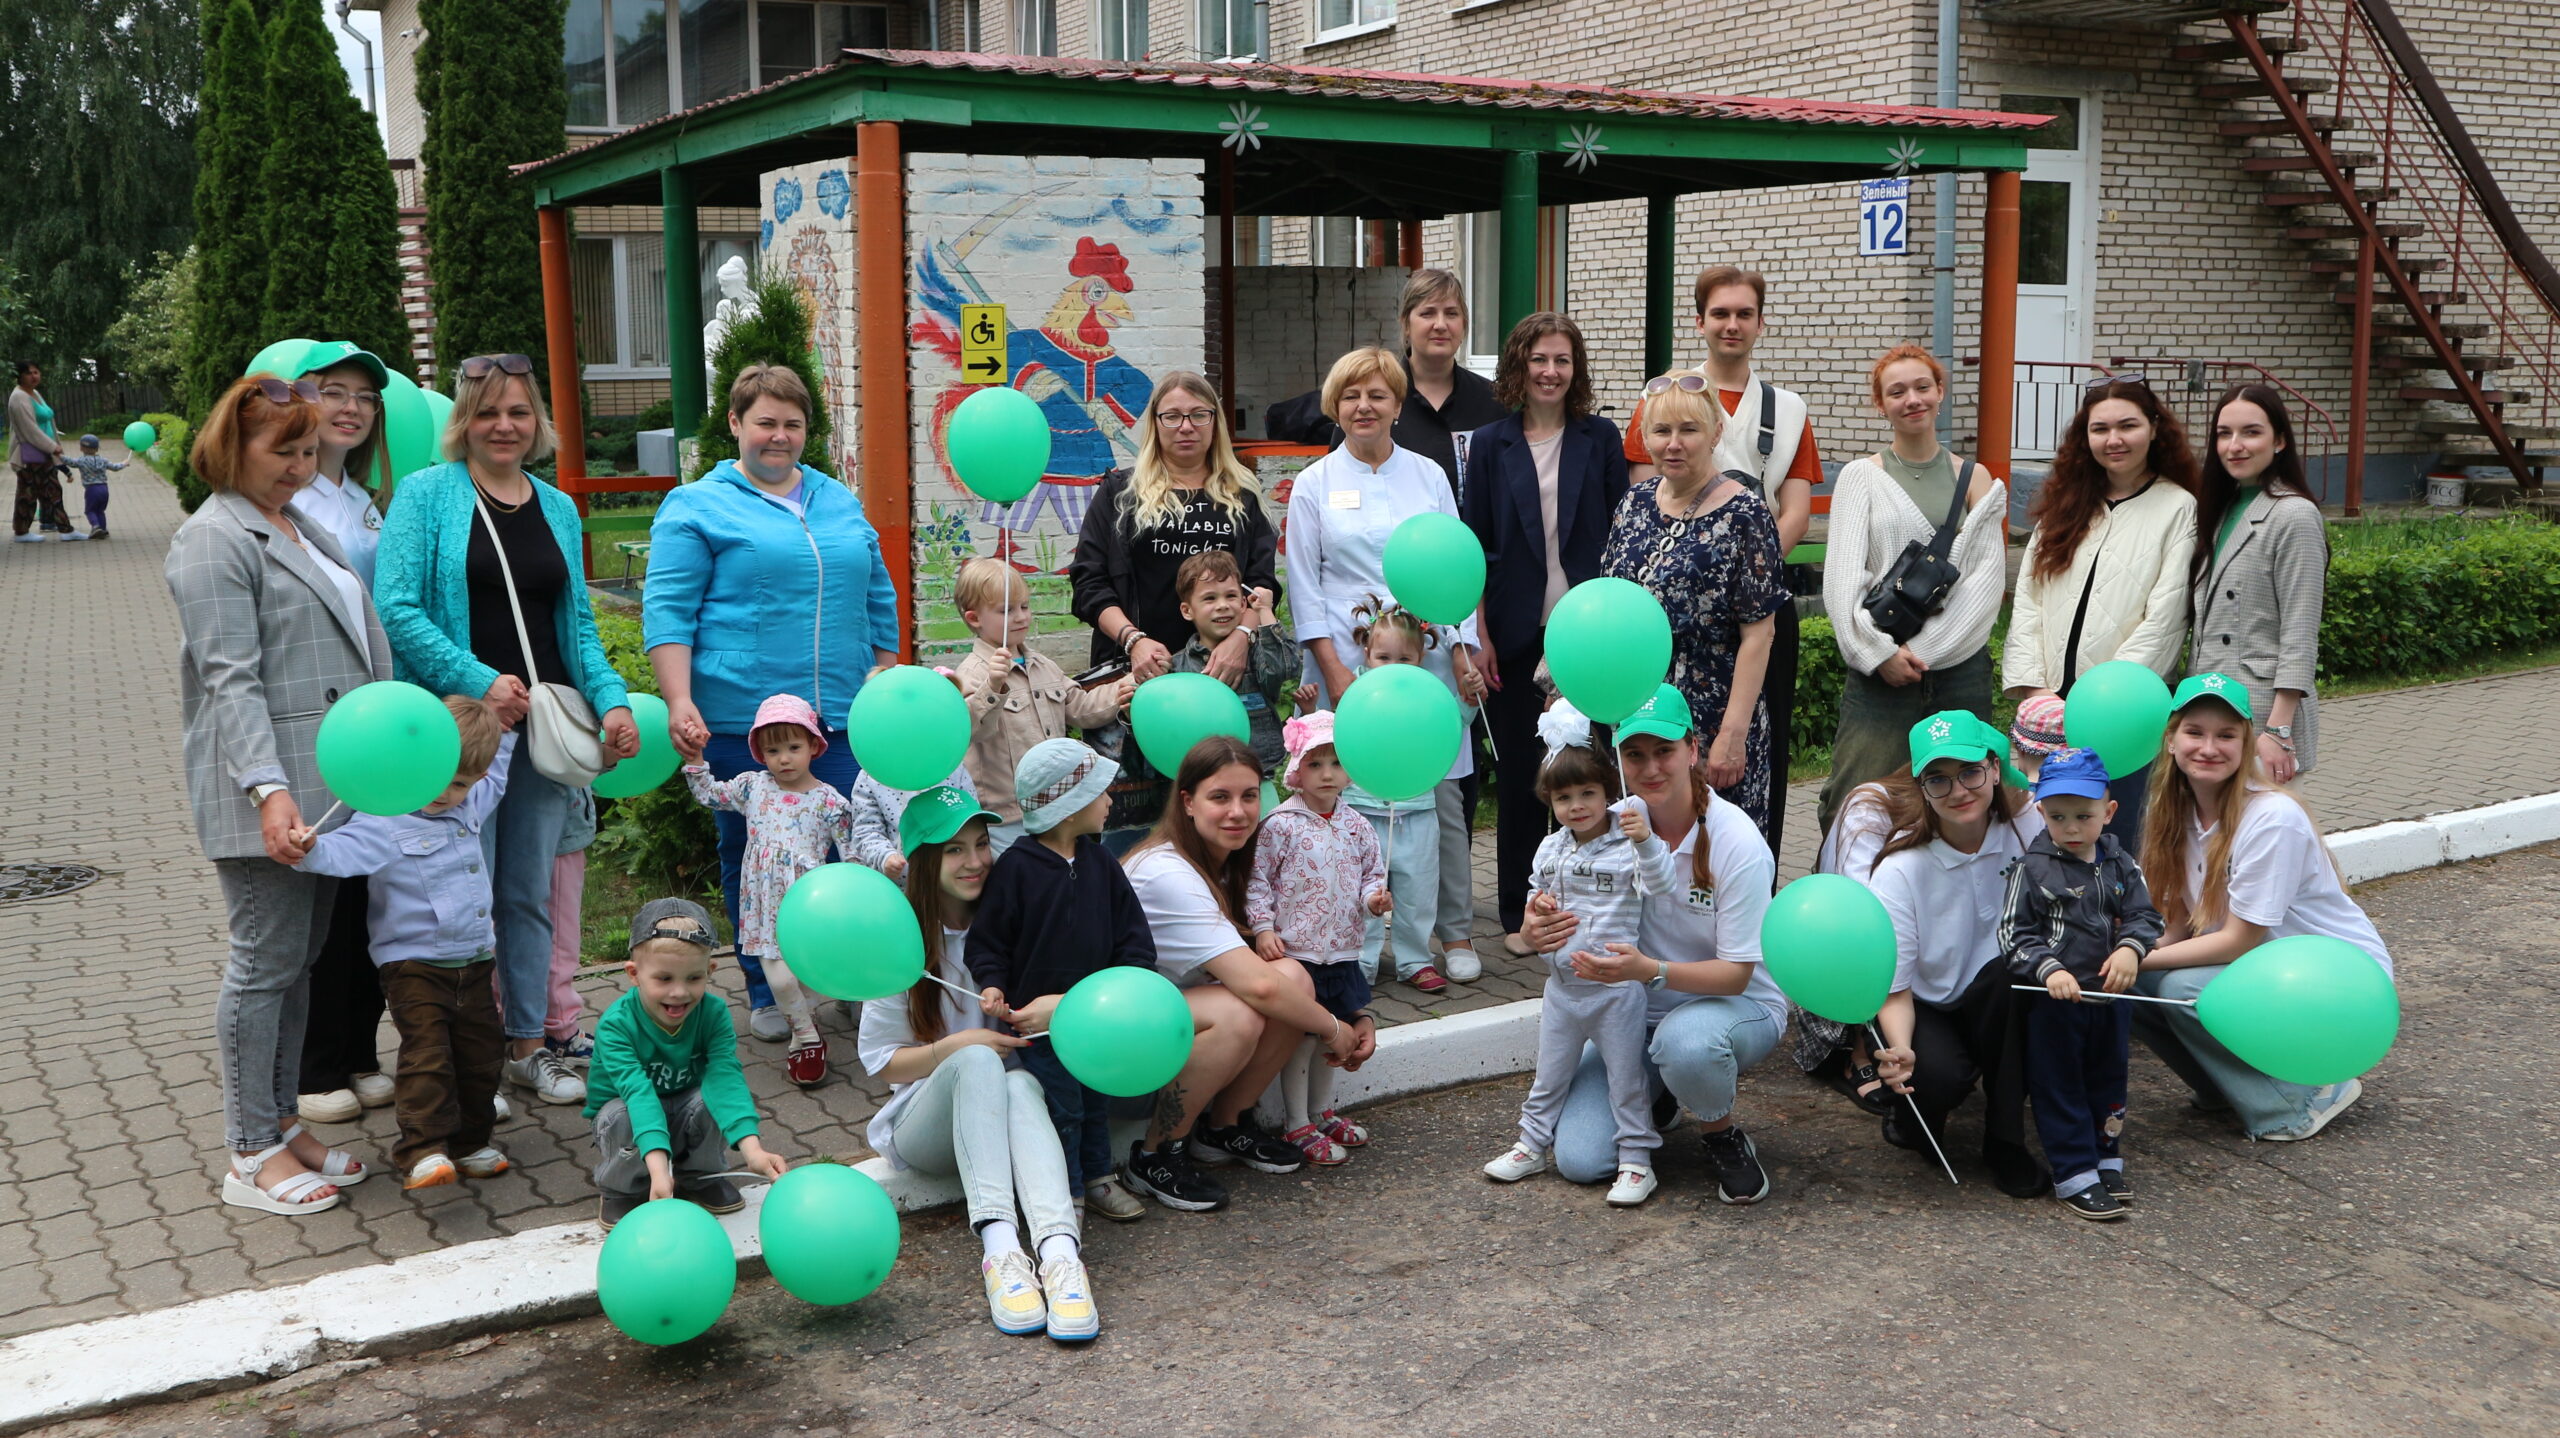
pixel 561 736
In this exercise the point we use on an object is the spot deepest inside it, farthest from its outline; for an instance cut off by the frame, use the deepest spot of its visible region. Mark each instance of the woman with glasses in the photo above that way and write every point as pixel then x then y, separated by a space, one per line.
pixel 1885 511
pixel 1949 1022
pixel 765 578
pixel 2260 574
pixel 470 548
pixel 277 629
pixel 2106 571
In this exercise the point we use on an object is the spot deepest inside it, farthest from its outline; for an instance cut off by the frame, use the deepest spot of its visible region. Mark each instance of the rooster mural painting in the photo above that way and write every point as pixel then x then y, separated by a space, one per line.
pixel 1067 363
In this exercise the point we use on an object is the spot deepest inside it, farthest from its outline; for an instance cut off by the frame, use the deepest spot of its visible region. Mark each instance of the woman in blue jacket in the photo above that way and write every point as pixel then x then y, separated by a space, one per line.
pixel 764 579
pixel 1541 483
pixel 449 606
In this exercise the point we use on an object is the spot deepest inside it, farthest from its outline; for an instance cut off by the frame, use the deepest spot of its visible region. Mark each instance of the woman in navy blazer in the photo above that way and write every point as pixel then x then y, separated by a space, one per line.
pixel 1539 487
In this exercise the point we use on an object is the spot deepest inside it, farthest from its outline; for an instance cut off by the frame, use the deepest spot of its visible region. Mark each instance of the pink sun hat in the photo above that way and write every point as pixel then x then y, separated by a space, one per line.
pixel 1312 730
pixel 790 709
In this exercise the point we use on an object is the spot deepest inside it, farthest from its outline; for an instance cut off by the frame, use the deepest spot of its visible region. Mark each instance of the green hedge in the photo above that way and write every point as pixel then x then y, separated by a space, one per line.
pixel 168 458
pixel 2414 598
pixel 663 837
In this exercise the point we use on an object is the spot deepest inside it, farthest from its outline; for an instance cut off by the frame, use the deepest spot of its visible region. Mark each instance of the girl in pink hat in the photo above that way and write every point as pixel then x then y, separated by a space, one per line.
pixel 792 817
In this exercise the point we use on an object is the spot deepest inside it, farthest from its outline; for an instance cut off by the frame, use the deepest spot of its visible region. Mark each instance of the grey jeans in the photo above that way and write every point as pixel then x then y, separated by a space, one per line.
pixel 694 1143
pixel 1874 738
pixel 1609 1017
pixel 279 921
pixel 520 841
pixel 973 1118
pixel 1457 906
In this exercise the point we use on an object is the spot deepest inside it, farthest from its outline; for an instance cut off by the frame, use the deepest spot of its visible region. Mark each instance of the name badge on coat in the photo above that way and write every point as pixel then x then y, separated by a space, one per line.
pixel 1342 499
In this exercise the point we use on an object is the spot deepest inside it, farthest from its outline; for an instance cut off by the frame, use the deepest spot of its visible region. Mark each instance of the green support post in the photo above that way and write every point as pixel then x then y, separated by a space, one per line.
pixel 1519 240
pixel 684 299
pixel 1661 282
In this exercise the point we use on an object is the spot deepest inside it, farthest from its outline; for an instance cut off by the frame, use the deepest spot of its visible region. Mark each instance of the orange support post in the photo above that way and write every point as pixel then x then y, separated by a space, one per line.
pixel 880 292
pixel 560 345
pixel 1409 244
pixel 1996 404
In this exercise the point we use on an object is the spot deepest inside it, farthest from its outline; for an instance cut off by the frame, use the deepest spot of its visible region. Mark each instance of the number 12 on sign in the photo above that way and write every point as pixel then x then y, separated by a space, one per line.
pixel 1884 217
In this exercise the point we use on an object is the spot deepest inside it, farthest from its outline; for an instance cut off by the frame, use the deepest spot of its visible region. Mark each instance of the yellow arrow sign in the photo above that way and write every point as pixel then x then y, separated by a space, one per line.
pixel 982 345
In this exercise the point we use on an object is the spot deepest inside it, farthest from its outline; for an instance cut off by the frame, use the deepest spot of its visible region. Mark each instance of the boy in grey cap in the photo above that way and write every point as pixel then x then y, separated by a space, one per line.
pixel 93 468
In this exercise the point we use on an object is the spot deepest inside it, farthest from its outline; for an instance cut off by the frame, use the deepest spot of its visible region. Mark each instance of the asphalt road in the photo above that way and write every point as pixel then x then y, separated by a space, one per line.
pixel 2396 1275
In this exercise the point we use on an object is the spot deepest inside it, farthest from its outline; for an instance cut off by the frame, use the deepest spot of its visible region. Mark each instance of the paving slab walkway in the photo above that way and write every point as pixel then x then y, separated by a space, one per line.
pixel 109 1096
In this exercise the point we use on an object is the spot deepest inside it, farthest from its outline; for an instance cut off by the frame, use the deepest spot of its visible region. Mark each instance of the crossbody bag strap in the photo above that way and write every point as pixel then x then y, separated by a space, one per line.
pixel 1768 418
pixel 507 572
pixel 1945 539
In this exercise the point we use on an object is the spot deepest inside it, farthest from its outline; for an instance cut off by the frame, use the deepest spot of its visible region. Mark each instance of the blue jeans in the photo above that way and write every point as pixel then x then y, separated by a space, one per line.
pixel 1411 845
pixel 1081 1115
pixel 2265 1105
pixel 1698 1052
pixel 519 842
pixel 2076 1057
pixel 991 1127
pixel 729 755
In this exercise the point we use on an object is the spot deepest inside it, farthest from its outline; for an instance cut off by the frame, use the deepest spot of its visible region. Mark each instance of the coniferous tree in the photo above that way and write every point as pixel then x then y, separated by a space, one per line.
pixel 331 214
pixel 496 95
pixel 778 332
pixel 230 230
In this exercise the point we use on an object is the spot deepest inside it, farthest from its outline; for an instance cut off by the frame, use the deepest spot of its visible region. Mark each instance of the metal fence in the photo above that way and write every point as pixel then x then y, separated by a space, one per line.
pixel 77 403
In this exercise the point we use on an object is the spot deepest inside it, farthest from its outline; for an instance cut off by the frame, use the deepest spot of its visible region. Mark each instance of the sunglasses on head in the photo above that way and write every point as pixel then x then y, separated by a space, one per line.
pixel 478 366
pixel 1690 383
pixel 2102 381
pixel 280 391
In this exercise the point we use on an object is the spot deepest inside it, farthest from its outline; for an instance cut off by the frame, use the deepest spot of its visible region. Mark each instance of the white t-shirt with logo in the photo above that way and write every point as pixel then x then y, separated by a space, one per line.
pixel 2281 877
pixel 1946 905
pixel 1722 921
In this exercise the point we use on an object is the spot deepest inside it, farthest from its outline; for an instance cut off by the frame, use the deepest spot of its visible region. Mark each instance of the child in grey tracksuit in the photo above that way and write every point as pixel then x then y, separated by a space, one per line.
pixel 1598 865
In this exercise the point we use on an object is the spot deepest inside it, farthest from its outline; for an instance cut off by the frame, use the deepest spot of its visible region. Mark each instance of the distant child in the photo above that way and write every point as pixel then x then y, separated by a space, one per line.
pixel 792 817
pixel 1390 634
pixel 2077 915
pixel 1017 695
pixel 1598 866
pixel 666 1093
pixel 872 833
pixel 2036 733
pixel 1057 909
pixel 434 949
pixel 93 468
pixel 1317 875
pixel 1216 602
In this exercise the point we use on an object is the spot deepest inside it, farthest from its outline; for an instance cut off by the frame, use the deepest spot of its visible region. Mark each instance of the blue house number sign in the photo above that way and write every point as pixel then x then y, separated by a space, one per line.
pixel 1884 217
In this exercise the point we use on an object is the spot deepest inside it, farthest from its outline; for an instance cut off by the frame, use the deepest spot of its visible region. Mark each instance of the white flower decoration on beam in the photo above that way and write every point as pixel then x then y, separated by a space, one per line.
pixel 1905 155
pixel 1244 132
pixel 1582 147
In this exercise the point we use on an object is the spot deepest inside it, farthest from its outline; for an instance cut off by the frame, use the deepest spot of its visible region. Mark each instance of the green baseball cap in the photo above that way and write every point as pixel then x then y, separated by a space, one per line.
pixel 1664 716
pixel 1960 734
pixel 2221 687
pixel 329 354
pixel 933 816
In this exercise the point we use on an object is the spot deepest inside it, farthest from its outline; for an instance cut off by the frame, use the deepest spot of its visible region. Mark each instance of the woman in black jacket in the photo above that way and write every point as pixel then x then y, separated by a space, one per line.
pixel 1540 485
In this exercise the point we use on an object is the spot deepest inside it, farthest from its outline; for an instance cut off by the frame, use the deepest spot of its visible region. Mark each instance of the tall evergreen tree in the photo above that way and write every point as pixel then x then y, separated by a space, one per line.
pixel 495 93
pixel 332 268
pixel 231 137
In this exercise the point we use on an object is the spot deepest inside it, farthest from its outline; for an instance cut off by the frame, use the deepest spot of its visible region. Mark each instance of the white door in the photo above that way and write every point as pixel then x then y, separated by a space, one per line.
pixel 2057 256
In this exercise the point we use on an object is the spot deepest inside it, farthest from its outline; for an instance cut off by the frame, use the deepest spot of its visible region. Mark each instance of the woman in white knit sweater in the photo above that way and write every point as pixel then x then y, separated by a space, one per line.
pixel 1883 504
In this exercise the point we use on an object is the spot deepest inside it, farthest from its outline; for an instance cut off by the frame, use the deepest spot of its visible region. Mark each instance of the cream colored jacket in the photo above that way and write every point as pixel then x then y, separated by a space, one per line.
pixel 2137 607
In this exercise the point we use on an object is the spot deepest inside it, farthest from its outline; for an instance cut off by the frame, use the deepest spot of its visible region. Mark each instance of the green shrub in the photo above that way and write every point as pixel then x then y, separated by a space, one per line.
pixel 168 459
pixel 662 838
pixel 2410 598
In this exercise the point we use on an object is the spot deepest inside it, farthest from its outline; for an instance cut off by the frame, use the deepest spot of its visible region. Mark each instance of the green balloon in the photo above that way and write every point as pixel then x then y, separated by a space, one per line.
pixel 1435 567
pixel 1124 1030
pixel 998 441
pixel 2120 709
pixel 139 437
pixel 1608 647
pixel 666 1272
pixel 909 727
pixel 830 1233
pixel 439 413
pixel 847 932
pixel 408 427
pixel 2308 1009
pixel 1172 712
pixel 654 764
pixel 387 748
pixel 1270 796
pixel 1397 731
pixel 282 359
pixel 1828 945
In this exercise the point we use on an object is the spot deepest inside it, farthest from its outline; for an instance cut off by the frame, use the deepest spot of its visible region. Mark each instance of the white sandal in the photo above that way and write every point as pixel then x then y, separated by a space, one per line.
pixel 337 1165
pixel 289 1196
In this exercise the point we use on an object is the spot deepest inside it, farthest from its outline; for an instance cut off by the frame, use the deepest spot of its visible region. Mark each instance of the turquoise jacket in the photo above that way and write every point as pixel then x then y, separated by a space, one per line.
pixel 422 590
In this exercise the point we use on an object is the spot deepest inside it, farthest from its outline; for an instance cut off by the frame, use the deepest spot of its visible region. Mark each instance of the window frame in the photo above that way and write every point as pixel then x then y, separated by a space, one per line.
pixel 1367 17
pixel 1482 229
pixel 620 366
pixel 1201 13
pixel 1027 17
pixel 1125 10
pixel 677 97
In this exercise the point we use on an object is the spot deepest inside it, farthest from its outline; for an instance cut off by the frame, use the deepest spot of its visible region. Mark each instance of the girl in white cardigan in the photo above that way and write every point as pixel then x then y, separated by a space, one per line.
pixel 1884 503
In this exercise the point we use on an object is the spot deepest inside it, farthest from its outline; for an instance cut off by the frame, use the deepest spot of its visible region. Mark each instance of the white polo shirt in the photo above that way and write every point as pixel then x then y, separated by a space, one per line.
pixel 1946 905
pixel 1183 915
pixel 1721 921
pixel 2282 879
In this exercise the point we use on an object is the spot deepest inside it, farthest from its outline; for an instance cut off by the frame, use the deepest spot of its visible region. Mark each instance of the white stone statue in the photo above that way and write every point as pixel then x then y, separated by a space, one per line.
pixel 737 302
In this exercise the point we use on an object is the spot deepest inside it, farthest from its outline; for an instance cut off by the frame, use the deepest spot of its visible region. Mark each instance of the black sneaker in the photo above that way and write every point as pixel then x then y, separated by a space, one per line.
pixel 612 1208
pixel 716 1194
pixel 1246 1144
pixel 1170 1179
pixel 2116 1185
pixel 2094 1202
pixel 1739 1176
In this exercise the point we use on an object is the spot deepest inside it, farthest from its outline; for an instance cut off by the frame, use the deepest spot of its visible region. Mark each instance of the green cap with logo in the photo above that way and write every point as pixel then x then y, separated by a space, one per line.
pixel 1664 716
pixel 933 816
pixel 329 354
pixel 1960 734
pixel 2222 687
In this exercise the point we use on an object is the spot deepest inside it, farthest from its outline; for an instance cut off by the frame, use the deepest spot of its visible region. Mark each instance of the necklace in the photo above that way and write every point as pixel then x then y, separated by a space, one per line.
pixel 502 505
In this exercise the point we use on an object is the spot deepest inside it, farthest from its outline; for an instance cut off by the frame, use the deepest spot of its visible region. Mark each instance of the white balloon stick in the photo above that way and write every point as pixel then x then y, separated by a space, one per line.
pixel 2094 996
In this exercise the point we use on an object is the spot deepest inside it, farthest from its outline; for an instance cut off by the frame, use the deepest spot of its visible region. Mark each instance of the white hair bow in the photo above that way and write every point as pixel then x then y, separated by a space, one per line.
pixel 1563 727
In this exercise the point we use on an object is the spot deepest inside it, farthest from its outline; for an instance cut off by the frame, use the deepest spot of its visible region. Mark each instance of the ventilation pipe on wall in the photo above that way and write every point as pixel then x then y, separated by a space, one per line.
pixel 1942 309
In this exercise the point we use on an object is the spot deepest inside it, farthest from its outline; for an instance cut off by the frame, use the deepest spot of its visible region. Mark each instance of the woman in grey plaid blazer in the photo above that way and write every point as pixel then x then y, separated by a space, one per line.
pixel 277 628
pixel 2261 573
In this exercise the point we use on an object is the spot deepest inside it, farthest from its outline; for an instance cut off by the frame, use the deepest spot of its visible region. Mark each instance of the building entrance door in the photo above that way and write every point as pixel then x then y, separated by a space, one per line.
pixel 2057 259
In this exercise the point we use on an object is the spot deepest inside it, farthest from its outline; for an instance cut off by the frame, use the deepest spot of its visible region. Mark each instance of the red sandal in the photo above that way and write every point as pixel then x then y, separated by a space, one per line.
pixel 1428 979
pixel 807 1064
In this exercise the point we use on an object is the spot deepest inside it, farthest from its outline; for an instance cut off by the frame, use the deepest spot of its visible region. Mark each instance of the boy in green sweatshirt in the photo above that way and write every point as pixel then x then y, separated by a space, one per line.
pixel 664 1088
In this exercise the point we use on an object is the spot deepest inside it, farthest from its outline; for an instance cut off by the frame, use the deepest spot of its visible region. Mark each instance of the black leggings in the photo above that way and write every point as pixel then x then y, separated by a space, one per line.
pixel 1520 820
pixel 339 1041
pixel 1978 1038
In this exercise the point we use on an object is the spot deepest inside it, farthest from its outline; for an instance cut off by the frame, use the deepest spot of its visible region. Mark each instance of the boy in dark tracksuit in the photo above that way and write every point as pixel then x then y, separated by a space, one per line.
pixel 1057 908
pixel 2078 915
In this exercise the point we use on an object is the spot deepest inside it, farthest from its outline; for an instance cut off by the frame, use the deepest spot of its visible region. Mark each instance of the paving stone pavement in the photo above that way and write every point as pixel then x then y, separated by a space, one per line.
pixel 109 1095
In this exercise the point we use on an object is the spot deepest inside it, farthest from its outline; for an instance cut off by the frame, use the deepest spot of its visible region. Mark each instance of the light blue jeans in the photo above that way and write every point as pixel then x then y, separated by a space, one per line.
pixel 1412 845
pixel 279 919
pixel 990 1126
pixel 1698 1051
pixel 519 842
pixel 2264 1105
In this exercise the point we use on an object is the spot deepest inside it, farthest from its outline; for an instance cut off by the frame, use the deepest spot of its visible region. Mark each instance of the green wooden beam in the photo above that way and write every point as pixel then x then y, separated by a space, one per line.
pixel 684 299
pixel 785 114
pixel 1519 237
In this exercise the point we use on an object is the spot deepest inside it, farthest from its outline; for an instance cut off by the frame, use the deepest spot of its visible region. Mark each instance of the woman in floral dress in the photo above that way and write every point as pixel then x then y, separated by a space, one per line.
pixel 1706 546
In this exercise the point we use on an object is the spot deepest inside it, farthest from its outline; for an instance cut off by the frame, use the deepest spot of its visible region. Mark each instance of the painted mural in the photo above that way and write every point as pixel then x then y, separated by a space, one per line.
pixel 814 246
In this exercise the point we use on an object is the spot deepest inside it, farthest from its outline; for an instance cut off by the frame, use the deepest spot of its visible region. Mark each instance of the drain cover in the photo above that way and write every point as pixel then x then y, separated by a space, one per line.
pixel 20 882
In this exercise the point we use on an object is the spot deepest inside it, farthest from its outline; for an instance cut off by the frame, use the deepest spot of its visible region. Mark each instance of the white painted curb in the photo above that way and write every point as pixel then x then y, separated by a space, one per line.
pixel 546 1274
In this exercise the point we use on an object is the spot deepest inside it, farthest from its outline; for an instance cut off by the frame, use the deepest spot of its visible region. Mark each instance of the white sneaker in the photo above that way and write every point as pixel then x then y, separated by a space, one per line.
pixel 769 1024
pixel 2325 1105
pixel 549 1076
pixel 1635 1184
pixel 1461 965
pixel 336 1106
pixel 372 1090
pixel 1072 1316
pixel 1013 1293
pixel 500 1109
pixel 1516 1165
pixel 487 1163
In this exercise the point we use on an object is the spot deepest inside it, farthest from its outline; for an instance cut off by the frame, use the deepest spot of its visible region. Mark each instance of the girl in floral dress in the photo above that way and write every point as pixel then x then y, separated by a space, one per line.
pixel 793 818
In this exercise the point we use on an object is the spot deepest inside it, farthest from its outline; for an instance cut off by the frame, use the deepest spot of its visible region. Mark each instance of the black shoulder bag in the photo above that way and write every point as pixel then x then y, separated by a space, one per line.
pixel 1917 585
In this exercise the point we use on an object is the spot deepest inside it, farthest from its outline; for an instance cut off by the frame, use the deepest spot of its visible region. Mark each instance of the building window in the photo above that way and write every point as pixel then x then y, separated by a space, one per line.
pixel 623 71
pixel 619 284
pixel 583 35
pixel 1121 28
pixel 1480 269
pixel 1333 240
pixel 972 37
pixel 1228 30
pixel 714 49
pixel 1332 15
pixel 793 37
pixel 640 60
pixel 1035 27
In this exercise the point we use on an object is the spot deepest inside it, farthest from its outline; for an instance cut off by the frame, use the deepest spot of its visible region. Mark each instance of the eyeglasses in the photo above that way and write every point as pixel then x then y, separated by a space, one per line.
pixel 280 391
pixel 1973 776
pixel 1187 418
pixel 2102 381
pixel 1688 383
pixel 478 366
pixel 360 398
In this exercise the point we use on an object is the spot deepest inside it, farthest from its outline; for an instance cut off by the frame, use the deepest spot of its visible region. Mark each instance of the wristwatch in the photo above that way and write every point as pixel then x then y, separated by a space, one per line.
pixel 259 794
pixel 1661 976
pixel 2281 731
